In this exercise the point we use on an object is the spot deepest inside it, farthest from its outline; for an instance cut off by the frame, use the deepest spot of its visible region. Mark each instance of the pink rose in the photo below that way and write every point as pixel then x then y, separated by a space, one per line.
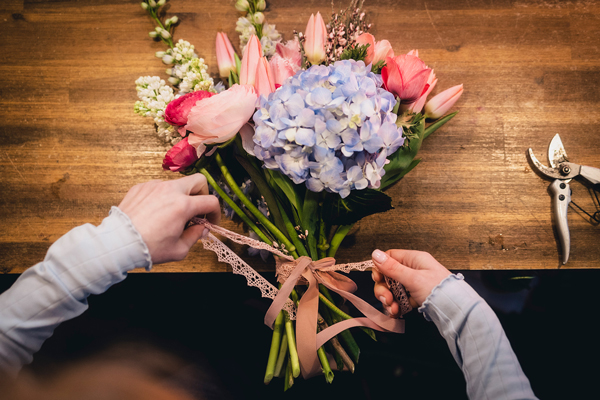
pixel 181 156
pixel 177 111
pixel 405 76
pixel 220 117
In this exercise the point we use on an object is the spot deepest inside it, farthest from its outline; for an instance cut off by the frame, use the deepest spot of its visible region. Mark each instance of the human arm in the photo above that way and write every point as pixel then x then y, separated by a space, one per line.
pixel 470 327
pixel 148 227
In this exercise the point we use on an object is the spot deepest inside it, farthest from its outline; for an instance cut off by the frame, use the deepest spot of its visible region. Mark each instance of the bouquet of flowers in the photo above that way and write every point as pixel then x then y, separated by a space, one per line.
pixel 300 139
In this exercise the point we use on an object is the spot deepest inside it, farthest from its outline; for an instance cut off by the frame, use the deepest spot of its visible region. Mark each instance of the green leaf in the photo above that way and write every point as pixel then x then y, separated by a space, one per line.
pixel 310 220
pixel 289 189
pixel 402 159
pixel 377 67
pixel 359 204
pixel 439 123
pixel 355 52
pixel 395 178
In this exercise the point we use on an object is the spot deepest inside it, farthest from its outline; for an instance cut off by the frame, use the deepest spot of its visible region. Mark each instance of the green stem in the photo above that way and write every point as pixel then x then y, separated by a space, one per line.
pixel 333 307
pixel 322 245
pixel 155 17
pixel 324 312
pixel 343 315
pixel 310 221
pixel 337 239
pixel 325 365
pixel 346 335
pixel 291 337
pixel 274 352
pixel 289 379
pixel 251 207
pixel 292 232
pixel 234 206
pixel 282 356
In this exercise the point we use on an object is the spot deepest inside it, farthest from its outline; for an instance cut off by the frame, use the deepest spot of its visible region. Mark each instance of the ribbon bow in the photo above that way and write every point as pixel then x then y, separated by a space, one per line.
pixel 308 341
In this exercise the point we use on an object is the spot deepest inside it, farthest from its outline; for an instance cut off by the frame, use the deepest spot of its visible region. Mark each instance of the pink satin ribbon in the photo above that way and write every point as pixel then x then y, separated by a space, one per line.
pixel 314 273
pixel 307 339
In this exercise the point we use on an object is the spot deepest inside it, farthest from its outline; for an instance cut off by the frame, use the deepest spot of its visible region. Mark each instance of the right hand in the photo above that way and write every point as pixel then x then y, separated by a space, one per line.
pixel 418 271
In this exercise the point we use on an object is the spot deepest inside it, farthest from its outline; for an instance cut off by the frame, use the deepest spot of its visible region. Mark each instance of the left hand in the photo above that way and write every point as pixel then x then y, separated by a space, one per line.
pixel 161 210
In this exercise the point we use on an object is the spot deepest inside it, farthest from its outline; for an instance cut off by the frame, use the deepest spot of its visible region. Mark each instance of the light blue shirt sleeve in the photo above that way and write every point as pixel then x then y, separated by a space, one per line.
pixel 87 260
pixel 477 341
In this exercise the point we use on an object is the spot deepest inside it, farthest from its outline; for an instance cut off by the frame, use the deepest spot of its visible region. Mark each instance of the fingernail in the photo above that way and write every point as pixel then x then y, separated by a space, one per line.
pixel 383 300
pixel 205 233
pixel 379 256
pixel 373 276
pixel 389 310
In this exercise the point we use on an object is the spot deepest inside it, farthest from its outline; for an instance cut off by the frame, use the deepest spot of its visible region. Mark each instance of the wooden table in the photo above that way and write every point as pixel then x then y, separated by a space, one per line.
pixel 71 146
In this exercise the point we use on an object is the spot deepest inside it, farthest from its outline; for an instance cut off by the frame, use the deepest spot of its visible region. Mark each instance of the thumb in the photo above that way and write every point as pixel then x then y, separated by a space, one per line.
pixel 392 268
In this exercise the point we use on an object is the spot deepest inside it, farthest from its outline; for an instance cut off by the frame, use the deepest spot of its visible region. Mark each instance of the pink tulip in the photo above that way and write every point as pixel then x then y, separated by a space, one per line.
pixel 377 51
pixel 405 76
pixel 417 106
pixel 250 60
pixel 315 39
pixel 225 52
pixel 290 52
pixel 177 111
pixel 383 50
pixel 219 118
pixel 442 102
pixel 180 156
pixel 265 83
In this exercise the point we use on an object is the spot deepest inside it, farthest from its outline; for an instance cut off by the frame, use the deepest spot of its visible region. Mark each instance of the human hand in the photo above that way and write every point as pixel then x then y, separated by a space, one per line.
pixel 161 210
pixel 418 271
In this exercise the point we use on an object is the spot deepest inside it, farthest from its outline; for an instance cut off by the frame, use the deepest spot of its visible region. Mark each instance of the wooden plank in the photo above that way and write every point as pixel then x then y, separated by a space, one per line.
pixel 71 146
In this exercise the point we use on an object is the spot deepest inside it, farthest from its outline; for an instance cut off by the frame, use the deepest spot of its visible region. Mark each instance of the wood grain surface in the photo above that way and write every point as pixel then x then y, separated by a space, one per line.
pixel 71 146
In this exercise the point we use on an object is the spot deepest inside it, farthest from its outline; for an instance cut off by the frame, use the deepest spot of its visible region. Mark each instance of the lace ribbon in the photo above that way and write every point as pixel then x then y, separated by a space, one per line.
pixel 289 272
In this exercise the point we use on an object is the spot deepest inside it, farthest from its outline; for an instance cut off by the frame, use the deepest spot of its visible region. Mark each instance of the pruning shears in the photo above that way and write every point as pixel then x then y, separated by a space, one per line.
pixel 562 171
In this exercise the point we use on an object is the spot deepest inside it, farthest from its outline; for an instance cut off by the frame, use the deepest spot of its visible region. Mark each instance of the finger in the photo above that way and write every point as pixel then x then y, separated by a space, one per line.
pixel 191 235
pixel 376 276
pixel 411 258
pixel 193 184
pixel 205 205
pixel 383 294
pixel 388 266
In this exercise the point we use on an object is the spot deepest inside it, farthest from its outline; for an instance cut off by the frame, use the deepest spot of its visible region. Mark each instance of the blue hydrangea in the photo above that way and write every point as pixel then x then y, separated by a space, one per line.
pixel 330 127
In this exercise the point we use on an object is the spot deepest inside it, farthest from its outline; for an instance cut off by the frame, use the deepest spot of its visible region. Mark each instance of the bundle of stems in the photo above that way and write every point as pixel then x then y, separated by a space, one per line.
pixel 296 239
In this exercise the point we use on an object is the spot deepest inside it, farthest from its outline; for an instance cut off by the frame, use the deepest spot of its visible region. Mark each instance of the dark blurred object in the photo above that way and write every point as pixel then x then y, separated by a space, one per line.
pixel 213 324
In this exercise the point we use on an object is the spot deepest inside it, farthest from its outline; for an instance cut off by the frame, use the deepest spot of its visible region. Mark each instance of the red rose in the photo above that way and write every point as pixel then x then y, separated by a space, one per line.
pixel 181 156
pixel 177 111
